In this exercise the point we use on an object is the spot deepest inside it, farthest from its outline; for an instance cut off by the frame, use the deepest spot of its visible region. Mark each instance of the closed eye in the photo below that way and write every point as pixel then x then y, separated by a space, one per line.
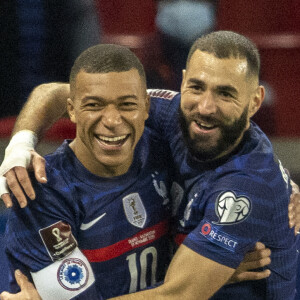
pixel 128 105
pixel 225 94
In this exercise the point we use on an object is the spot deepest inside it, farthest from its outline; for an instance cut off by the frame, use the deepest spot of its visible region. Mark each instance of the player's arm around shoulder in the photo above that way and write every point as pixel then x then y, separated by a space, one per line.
pixel 189 276
pixel 45 105
pixel 193 276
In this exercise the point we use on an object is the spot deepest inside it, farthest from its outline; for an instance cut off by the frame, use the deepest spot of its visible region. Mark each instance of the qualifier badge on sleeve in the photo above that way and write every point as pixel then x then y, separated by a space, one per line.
pixel 58 240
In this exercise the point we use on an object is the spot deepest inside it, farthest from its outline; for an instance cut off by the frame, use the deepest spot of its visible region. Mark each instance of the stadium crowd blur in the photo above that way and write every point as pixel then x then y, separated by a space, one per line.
pixel 40 40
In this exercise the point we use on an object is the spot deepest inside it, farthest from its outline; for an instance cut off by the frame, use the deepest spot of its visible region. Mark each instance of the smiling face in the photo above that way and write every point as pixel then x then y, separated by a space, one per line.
pixel 109 110
pixel 218 97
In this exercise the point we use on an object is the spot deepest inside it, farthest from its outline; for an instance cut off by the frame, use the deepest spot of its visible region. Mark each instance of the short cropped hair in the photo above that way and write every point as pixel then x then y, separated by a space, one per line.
pixel 105 58
pixel 228 44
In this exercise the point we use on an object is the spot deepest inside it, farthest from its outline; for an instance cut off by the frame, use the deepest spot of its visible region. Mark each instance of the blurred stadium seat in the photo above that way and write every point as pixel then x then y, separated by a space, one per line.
pixel 275 27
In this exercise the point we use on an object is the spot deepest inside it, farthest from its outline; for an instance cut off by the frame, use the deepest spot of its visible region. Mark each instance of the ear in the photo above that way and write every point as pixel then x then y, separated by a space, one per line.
pixel 183 77
pixel 148 102
pixel 257 100
pixel 71 110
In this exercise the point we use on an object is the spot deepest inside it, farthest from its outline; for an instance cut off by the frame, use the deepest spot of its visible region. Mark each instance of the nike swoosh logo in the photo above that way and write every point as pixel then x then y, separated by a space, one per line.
pixel 86 226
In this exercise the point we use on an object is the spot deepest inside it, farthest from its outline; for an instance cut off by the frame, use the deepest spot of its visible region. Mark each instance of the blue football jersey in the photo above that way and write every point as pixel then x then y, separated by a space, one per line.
pixel 232 203
pixel 120 224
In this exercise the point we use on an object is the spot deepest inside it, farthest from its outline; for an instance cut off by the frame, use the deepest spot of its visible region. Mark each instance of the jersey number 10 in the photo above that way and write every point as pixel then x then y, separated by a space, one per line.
pixel 132 265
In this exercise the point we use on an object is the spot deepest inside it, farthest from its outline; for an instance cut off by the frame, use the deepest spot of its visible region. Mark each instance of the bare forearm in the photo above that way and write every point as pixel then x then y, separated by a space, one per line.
pixel 45 105
pixel 190 276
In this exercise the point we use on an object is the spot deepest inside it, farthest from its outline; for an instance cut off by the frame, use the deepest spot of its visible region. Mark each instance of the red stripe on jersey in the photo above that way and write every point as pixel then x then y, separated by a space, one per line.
pixel 179 238
pixel 142 238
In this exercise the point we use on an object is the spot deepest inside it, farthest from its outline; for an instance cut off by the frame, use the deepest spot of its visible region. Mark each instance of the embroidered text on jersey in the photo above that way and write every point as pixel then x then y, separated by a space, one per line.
pixel 217 236
pixel 73 274
pixel 231 209
pixel 134 210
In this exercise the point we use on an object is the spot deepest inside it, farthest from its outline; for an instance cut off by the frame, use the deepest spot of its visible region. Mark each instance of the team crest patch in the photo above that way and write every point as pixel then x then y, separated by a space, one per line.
pixel 232 209
pixel 160 187
pixel 218 237
pixel 72 274
pixel 134 210
pixel 58 240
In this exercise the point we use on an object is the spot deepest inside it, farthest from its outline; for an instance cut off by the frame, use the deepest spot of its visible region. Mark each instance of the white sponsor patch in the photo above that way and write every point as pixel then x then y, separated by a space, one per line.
pixel 231 209
pixel 64 279
pixel 134 210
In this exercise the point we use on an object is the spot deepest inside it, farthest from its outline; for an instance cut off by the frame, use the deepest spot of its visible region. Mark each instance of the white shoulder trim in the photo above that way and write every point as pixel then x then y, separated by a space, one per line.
pixel 64 279
pixel 165 94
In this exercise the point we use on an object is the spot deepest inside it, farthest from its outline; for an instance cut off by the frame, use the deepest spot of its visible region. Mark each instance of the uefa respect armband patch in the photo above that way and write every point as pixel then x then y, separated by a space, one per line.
pixel 218 237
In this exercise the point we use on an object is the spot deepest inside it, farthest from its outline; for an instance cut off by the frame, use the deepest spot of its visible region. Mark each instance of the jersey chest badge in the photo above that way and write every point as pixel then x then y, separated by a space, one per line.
pixel 160 187
pixel 134 210
pixel 232 209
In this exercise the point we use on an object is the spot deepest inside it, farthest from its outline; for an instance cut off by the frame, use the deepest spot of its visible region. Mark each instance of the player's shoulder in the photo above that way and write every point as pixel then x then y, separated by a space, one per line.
pixel 60 173
pixel 162 94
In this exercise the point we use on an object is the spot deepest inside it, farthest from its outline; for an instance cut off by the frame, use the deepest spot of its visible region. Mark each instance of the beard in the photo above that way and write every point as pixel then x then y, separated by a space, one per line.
pixel 229 134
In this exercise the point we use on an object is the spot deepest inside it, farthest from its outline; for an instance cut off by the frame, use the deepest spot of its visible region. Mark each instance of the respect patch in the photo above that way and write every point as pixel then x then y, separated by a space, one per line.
pixel 218 237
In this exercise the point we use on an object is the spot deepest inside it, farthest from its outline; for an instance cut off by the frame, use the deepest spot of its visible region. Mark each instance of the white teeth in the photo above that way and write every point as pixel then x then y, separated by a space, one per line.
pixel 205 125
pixel 112 139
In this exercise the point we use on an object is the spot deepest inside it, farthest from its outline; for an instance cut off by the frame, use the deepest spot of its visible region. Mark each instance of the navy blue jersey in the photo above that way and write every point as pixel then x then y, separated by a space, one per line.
pixel 119 223
pixel 232 203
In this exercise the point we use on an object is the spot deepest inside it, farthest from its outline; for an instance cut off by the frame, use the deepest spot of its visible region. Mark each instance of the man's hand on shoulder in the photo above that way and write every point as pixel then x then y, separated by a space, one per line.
pixel 258 258
pixel 28 290
pixel 20 156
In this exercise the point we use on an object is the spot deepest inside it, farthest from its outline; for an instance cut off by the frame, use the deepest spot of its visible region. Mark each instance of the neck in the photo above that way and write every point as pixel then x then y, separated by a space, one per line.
pixel 95 166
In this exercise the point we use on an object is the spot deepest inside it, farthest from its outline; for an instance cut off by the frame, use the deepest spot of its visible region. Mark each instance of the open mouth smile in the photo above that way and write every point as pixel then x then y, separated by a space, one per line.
pixel 114 141
pixel 205 126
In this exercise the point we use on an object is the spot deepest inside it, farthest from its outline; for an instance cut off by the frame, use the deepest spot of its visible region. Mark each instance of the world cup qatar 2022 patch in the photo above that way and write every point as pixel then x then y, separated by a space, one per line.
pixel 58 240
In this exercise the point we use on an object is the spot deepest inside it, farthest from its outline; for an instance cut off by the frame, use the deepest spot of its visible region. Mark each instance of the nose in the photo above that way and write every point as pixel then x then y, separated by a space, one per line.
pixel 207 104
pixel 111 116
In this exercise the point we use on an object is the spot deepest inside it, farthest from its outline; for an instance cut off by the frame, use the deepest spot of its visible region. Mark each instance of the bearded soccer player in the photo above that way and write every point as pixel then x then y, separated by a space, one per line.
pixel 220 155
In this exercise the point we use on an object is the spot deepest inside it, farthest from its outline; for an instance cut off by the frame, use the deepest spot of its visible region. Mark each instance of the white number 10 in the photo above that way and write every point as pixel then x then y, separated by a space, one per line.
pixel 132 264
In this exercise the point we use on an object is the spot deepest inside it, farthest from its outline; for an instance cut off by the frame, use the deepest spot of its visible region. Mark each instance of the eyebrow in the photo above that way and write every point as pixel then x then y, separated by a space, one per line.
pixel 226 88
pixel 197 81
pixel 97 98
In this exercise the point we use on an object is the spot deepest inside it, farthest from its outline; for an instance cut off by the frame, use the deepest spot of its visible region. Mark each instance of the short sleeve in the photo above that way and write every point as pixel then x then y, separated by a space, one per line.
pixel 238 212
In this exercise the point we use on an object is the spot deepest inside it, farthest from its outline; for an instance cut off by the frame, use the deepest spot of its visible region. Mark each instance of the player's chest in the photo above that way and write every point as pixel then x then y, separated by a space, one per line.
pixel 125 212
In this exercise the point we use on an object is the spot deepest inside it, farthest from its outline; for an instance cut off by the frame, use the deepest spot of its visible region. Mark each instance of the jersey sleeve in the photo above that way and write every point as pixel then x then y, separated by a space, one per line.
pixel 238 211
pixel 40 242
pixel 163 111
